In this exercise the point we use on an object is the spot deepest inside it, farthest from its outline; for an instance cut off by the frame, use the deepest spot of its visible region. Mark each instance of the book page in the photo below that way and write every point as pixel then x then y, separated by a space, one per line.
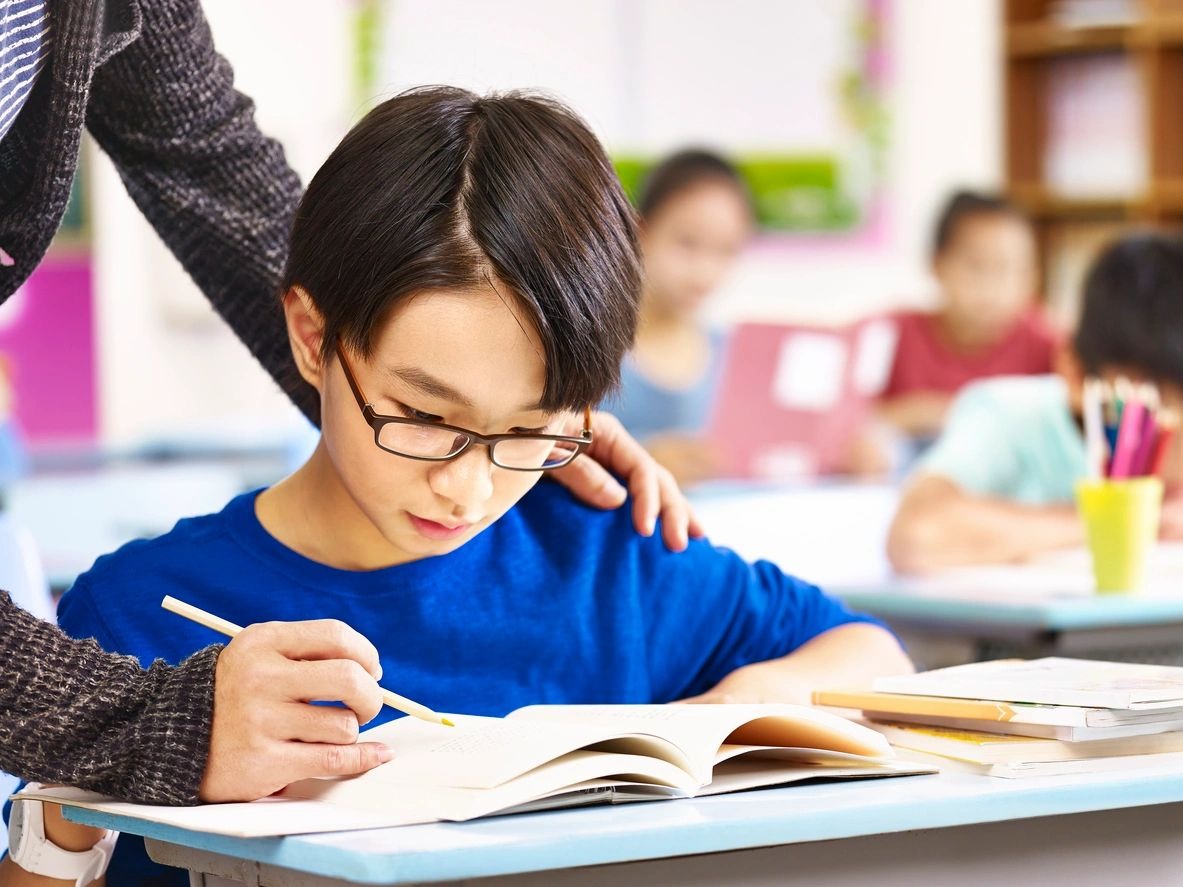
pixel 701 730
pixel 745 773
pixel 372 793
pixel 483 753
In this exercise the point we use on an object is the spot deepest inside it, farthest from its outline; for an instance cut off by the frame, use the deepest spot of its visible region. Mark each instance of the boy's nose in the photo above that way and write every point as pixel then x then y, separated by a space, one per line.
pixel 466 481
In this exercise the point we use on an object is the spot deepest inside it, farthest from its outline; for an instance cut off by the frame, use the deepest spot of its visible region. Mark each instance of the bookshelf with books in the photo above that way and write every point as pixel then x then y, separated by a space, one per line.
pixel 1093 125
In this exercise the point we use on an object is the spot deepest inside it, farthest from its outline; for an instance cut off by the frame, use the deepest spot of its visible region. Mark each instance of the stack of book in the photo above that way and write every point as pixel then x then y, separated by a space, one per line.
pixel 1041 717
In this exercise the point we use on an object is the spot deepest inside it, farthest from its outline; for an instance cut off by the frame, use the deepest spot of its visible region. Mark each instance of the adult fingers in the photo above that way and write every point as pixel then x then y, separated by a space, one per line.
pixel 322 724
pixel 316 639
pixel 337 680
pixel 591 482
pixel 337 760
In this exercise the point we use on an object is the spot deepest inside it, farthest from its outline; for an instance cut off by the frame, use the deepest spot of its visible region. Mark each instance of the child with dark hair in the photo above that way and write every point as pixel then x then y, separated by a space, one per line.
pixel 462 286
pixel 696 217
pixel 983 258
pixel 998 484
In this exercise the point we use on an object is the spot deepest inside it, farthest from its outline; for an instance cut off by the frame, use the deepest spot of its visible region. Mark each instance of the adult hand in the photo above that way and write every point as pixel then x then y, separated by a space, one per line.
pixel 655 492
pixel 265 735
pixel 689 458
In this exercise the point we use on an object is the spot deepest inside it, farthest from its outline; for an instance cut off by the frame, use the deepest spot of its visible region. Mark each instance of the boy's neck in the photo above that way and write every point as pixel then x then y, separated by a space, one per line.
pixel 311 513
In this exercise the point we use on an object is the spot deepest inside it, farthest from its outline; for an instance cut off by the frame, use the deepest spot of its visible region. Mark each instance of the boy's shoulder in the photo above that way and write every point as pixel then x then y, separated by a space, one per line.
pixel 1016 395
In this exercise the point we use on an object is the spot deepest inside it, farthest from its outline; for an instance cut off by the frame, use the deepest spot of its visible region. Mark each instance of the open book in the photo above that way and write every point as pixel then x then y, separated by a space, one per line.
pixel 546 757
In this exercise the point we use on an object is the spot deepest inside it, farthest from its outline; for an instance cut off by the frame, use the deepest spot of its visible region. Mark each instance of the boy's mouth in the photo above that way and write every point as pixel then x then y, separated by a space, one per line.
pixel 436 531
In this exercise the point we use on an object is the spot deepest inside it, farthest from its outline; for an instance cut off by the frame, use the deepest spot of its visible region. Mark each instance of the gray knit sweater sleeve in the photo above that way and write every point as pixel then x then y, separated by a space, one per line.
pixel 218 193
pixel 80 716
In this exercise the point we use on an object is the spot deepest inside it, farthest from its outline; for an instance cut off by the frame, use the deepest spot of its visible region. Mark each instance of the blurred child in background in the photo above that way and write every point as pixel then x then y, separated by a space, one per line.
pixel 998 485
pixel 696 217
pixel 12 455
pixel 984 260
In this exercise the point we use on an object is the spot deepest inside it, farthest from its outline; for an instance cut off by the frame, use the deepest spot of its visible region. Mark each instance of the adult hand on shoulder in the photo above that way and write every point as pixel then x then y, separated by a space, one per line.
pixel 655 492
pixel 265 734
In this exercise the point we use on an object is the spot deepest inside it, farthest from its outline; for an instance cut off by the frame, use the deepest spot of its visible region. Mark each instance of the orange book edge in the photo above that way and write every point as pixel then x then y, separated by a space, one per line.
pixel 898 703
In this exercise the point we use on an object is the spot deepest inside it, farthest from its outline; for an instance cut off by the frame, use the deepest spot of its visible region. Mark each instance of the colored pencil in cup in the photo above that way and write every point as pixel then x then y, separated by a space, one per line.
pixel 1129 437
pixel 1094 434
pixel 222 626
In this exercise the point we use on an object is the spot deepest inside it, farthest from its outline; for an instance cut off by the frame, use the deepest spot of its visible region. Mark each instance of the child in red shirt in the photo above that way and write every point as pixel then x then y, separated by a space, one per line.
pixel 988 323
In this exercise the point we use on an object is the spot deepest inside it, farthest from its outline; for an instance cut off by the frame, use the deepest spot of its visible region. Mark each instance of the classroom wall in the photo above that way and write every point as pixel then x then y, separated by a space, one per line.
pixel 169 365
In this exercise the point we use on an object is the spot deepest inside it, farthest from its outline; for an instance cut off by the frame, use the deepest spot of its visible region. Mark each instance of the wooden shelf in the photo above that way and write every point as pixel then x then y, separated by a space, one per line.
pixel 1045 204
pixel 1041 39
pixel 1044 39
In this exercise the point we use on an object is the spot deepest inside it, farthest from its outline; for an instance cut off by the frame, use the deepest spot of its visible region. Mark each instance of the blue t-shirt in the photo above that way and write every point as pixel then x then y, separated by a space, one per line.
pixel 554 603
pixel 647 408
pixel 1013 438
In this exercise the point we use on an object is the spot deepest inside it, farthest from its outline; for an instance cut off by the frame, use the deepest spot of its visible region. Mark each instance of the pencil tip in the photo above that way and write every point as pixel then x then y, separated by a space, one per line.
pixel 446 722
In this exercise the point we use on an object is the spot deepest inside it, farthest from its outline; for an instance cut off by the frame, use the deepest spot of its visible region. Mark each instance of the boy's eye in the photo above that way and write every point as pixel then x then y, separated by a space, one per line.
pixel 412 413
pixel 541 429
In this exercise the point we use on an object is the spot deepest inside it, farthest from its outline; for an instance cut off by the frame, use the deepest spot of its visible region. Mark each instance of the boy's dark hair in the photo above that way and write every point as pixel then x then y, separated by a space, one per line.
pixel 441 188
pixel 1133 308
pixel 964 205
pixel 682 171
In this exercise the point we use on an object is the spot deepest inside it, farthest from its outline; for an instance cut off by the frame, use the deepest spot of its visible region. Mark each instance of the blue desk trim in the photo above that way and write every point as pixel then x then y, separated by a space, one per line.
pixel 804 813
pixel 1066 614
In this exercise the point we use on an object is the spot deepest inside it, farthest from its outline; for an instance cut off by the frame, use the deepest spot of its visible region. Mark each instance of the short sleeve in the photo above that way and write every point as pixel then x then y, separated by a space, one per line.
pixel 974 451
pixel 709 612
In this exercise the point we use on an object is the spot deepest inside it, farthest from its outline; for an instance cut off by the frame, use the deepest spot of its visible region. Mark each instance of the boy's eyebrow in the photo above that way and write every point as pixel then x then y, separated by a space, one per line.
pixel 433 387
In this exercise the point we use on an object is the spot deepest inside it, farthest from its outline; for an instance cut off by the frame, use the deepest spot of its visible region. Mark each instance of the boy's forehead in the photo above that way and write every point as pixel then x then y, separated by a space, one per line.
pixel 477 343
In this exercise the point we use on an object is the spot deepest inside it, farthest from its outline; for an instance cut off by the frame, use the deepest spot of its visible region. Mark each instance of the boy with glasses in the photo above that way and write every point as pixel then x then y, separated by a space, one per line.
pixel 461 288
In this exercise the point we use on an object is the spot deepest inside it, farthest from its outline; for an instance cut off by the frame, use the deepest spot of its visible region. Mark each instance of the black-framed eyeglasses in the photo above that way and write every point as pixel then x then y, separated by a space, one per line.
pixel 436 442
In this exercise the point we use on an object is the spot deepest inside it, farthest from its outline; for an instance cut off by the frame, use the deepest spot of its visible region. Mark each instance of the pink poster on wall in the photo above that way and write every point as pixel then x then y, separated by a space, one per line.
pixel 47 343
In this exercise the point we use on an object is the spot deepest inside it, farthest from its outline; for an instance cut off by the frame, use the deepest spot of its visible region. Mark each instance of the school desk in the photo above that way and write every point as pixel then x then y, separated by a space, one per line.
pixel 1042 609
pixel 973 831
pixel 835 534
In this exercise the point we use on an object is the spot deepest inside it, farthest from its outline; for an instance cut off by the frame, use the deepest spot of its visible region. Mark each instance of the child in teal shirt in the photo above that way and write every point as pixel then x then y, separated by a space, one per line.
pixel 998 484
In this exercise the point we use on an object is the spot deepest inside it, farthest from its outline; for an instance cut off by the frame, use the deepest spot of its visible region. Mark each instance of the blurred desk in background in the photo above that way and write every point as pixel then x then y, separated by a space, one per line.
pixel 835 535
pixel 77 516
pixel 832 534
pixel 1047 608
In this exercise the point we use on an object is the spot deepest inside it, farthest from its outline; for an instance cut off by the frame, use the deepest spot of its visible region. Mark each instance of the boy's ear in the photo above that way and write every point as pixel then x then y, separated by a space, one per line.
pixel 306 333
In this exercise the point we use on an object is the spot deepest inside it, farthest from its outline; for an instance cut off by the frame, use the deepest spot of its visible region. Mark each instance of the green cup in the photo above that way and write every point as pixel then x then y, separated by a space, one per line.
pixel 1121 522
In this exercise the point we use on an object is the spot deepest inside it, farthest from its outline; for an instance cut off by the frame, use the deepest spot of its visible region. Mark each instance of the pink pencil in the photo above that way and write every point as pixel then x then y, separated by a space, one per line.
pixel 1128 438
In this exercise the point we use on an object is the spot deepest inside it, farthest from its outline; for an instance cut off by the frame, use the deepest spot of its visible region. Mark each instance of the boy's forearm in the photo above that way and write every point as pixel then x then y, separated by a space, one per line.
pixel 849 655
pixel 938 526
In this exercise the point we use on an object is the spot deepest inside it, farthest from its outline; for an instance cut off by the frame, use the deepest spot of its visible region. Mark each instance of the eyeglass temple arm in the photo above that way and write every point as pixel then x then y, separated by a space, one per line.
pixel 362 400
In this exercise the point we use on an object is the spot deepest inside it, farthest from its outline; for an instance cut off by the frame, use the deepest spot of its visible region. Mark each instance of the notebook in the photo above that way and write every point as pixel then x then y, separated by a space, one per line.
pixel 792 398
pixel 1050 681
pixel 549 757
pixel 991 748
pixel 1069 723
